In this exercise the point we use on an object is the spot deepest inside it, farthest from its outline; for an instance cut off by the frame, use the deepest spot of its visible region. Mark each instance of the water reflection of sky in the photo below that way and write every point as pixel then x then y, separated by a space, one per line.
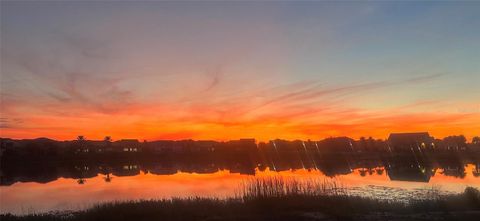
pixel 66 193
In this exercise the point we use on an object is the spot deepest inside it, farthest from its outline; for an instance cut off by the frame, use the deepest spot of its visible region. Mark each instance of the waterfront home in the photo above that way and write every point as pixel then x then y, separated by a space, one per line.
pixel 128 145
pixel 401 142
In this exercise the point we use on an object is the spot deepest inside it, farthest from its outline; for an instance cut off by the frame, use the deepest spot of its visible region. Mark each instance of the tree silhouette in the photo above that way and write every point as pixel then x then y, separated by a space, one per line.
pixel 476 140
pixel 363 143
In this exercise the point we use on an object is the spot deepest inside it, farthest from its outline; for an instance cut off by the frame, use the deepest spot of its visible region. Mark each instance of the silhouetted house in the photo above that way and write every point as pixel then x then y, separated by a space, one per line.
pixel 311 146
pixel 185 146
pixel 81 146
pixel 97 146
pixel 128 145
pixel 454 143
pixel 89 146
pixel 283 155
pixel 162 146
pixel 204 146
pixel 401 142
pixel 336 144
pixel 107 146
pixel 244 145
pixel 279 145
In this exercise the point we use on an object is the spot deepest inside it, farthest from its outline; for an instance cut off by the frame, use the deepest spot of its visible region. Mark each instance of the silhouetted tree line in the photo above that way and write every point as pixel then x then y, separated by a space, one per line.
pixel 83 148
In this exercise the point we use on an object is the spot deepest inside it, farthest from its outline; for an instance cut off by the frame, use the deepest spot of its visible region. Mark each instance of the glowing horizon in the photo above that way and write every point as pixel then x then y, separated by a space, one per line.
pixel 230 70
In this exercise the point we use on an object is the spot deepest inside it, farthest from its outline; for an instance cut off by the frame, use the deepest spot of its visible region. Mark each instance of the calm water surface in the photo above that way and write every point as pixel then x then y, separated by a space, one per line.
pixel 73 193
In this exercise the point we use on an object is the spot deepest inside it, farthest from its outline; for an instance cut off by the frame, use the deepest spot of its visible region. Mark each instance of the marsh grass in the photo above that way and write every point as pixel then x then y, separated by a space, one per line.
pixel 271 198
pixel 277 186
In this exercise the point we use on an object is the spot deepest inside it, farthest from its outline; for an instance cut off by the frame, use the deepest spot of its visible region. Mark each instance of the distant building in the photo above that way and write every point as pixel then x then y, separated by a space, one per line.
pixel 128 145
pixel 454 143
pixel 245 145
pixel 163 146
pixel 204 146
pixel 336 144
pixel 398 142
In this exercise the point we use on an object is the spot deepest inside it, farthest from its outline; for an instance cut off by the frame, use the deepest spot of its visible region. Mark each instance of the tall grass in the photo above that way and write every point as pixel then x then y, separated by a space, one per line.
pixel 278 186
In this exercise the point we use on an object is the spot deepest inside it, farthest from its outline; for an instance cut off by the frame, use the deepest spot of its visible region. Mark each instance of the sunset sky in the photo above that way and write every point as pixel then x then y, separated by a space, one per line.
pixel 229 70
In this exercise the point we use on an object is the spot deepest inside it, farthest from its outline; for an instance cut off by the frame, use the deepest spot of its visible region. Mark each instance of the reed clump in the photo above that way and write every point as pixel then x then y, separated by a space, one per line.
pixel 277 186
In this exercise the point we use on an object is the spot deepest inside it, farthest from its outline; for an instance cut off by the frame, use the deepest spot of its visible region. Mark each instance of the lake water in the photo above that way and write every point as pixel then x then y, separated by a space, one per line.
pixel 33 191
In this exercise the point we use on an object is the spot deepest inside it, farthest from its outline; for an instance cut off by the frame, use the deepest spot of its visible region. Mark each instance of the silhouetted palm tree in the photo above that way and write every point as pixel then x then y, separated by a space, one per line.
pixel 81 138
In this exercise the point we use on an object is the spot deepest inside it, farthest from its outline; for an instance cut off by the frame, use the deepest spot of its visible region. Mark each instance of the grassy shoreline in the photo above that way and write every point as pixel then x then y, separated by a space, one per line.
pixel 279 199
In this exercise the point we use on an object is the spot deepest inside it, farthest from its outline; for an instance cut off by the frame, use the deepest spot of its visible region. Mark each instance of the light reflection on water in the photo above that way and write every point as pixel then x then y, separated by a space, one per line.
pixel 67 194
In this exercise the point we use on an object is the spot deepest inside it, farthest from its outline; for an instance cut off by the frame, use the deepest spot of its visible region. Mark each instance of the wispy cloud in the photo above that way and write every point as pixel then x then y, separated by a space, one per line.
pixel 285 71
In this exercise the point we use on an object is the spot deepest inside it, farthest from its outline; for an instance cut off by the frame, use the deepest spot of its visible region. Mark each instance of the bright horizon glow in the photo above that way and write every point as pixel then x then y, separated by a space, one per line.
pixel 230 70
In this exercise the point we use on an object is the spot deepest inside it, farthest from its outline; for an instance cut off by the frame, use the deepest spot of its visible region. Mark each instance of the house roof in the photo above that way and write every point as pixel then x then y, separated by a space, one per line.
pixel 127 140
pixel 408 137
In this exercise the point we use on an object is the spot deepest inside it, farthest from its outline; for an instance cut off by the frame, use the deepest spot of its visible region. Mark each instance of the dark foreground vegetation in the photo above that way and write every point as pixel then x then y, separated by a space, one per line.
pixel 280 199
